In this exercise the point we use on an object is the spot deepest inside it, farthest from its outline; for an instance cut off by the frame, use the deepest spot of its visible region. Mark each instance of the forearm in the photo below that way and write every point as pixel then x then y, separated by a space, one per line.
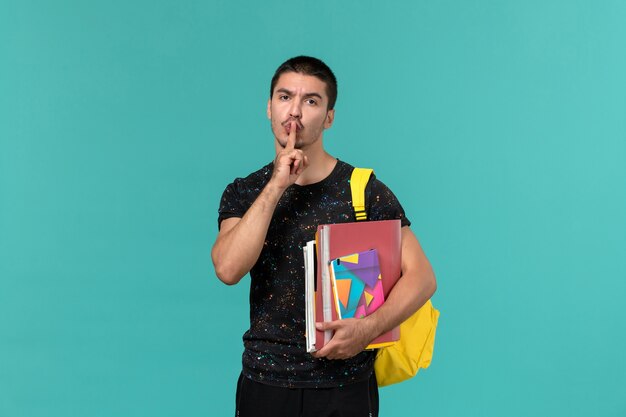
pixel 236 250
pixel 416 286
pixel 351 336
pixel 239 245
pixel 409 294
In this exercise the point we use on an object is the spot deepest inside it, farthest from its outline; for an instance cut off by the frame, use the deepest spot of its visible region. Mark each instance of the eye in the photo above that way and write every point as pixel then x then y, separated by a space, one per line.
pixel 283 97
pixel 311 101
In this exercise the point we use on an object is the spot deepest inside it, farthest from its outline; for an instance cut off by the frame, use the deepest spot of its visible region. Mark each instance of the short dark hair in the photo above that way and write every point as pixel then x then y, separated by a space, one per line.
pixel 309 66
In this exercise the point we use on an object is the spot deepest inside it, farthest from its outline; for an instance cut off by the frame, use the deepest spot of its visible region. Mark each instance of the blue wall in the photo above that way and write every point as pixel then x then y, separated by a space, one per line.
pixel 500 125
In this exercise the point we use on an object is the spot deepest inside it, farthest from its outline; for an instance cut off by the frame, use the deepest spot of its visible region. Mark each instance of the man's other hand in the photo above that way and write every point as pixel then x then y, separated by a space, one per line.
pixel 351 336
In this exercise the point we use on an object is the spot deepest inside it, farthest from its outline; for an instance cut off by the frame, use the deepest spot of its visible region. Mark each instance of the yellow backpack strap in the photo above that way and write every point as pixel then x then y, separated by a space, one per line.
pixel 358 182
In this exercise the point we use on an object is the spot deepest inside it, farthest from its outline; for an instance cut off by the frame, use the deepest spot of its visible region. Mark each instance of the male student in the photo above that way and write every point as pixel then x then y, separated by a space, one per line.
pixel 264 221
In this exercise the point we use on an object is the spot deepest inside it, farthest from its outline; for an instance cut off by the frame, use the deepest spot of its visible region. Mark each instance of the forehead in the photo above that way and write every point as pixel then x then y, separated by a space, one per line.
pixel 301 83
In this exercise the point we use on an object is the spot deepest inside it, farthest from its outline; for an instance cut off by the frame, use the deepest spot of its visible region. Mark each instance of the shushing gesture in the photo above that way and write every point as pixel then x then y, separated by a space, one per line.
pixel 289 162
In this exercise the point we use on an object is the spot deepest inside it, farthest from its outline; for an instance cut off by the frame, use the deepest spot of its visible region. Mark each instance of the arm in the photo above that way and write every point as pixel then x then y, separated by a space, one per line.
pixel 416 286
pixel 240 240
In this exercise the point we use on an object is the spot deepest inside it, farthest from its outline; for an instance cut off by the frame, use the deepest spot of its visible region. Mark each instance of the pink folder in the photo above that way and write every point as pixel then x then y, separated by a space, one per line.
pixel 343 239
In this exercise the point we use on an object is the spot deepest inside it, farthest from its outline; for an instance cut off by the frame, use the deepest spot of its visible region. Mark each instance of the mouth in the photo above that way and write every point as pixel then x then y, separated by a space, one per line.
pixel 287 126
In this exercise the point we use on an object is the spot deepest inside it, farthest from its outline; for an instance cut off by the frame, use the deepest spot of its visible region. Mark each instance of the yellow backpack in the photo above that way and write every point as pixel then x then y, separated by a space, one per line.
pixel 414 350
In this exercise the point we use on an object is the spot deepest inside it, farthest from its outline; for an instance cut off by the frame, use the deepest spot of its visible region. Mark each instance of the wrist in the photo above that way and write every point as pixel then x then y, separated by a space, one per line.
pixel 371 327
pixel 274 190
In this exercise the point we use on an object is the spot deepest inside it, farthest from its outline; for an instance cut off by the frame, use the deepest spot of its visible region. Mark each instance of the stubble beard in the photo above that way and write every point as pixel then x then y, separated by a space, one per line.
pixel 301 138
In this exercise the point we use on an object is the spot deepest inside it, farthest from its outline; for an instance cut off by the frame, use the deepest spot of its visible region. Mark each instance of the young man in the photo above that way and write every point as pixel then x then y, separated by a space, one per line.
pixel 264 220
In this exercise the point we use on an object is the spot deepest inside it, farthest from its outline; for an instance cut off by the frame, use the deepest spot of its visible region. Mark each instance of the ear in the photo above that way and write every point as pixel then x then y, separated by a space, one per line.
pixel 330 117
pixel 269 108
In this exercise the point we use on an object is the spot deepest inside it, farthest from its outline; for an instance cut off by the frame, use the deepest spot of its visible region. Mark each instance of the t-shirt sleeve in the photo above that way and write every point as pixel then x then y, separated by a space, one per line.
pixel 383 204
pixel 231 204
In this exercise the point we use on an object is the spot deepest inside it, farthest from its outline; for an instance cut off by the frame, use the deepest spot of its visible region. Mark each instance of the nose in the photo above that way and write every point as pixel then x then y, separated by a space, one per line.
pixel 295 111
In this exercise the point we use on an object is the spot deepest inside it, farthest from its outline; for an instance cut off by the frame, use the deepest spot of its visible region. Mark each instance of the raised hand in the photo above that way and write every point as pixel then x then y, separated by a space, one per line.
pixel 289 162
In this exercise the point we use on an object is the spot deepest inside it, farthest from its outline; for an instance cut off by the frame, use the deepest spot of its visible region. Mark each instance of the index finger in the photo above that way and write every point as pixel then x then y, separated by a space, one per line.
pixel 291 139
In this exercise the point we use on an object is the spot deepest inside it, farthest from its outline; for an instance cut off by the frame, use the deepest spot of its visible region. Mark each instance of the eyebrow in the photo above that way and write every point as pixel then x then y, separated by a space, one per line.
pixel 291 93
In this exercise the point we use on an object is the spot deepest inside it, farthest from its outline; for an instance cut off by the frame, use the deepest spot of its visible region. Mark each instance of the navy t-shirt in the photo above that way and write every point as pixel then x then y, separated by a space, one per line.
pixel 275 351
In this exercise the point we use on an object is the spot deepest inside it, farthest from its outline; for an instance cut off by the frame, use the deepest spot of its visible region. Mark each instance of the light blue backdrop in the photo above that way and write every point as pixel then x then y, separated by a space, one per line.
pixel 500 125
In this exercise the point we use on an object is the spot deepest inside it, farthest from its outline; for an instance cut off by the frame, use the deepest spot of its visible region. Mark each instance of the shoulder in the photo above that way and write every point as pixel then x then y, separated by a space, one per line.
pixel 262 174
pixel 384 205
pixel 254 180
pixel 245 189
pixel 239 195
pixel 377 186
pixel 374 184
pixel 377 191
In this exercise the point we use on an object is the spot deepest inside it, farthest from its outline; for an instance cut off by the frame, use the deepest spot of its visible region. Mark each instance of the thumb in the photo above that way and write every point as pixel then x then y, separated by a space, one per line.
pixel 327 325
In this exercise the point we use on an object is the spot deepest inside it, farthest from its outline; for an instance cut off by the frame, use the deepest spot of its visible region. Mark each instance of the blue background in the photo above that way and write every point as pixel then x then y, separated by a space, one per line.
pixel 500 125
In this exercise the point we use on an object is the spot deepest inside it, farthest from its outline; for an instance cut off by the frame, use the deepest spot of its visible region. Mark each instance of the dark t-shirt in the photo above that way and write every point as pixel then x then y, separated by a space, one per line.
pixel 275 351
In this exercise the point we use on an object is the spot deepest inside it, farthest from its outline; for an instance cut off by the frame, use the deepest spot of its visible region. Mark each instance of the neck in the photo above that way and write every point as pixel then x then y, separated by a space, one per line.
pixel 320 167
